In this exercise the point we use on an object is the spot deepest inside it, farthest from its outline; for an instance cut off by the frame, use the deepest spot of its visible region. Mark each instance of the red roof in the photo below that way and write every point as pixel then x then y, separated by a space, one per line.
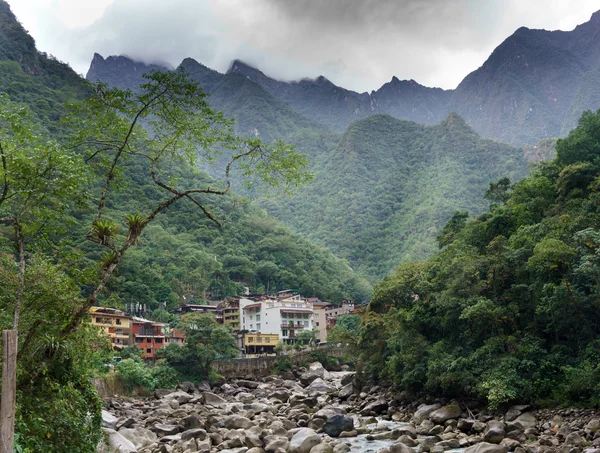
pixel 252 306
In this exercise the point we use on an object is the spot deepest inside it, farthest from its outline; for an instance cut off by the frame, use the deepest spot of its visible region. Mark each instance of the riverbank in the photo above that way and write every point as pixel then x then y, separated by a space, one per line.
pixel 328 412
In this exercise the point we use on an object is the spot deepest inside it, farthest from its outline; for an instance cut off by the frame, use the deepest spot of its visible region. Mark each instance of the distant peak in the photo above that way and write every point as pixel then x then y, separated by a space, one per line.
pixel 238 66
pixel 395 80
pixel 97 58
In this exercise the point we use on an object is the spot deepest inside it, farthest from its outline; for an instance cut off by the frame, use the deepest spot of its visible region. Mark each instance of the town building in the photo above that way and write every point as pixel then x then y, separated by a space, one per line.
pixel 148 336
pixel 320 320
pixel 335 311
pixel 284 316
pixel 196 308
pixel 115 323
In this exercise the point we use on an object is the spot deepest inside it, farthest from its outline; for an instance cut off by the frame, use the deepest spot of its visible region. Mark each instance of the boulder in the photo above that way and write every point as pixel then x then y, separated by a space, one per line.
pixel 237 422
pixel 574 440
pixel 444 413
pixel 304 440
pixel 527 420
pixel 422 413
pixel 197 433
pixel 280 394
pixel 161 393
pixel 319 385
pixel 378 406
pixel 109 420
pixel 346 391
pixel 322 448
pixel 277 444
pixel 400 448
pixel 486 447
pixel 186 386
pixel 140 437
pixel 191 422
pixel 116 443
pixel 494 432
pixel 337 424
pixel 213 400
pixel 315 370
pixel 179 396
pixel 166 430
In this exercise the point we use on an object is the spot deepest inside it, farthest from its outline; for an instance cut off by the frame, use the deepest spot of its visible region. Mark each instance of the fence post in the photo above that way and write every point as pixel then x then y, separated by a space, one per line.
pixel 9 390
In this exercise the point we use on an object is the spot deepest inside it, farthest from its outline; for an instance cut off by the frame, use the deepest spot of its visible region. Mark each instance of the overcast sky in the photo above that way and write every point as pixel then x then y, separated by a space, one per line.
pixel 359 44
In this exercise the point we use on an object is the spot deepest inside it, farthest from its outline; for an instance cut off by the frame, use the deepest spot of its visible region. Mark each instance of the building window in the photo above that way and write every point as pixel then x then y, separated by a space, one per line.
pixel 250 316
pixel 250 339
pixel 305 323
pixel 258 317
pixel 118 322
pixel 267 340
pixel 259 339
pixel 149 351
pixel 251 326
pixel 258 327
pixel 317 324
pixel 139 340
pixel 159 340
pixel 284 333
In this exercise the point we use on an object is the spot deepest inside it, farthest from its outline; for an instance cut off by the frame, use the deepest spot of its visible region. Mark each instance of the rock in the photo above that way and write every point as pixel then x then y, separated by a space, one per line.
pixel 514 411
pixel 341 448
pixel 444 413
pixel 166 430
pixel 213 400
pixel 400 448
pixel 527 420
pixel 422 413
pixel 345 434
pixel 248 384
pixel 425 426
pixel 593 425
pixel 281 395
pixel 116 443
pixel 179 396
pixel 303 440
pixel 405 429
pixel 378 406
pixel 574 440
pixel 140 437
pixel 319 385
pixel 464 425
pixel 109 420
pixel 494 432
pixel 161 393
pixel 277 444
pixel 338 423
pixel 485 447
pixel 256 450
pixel 511 444
pixel 322 448
pixel 315 370
pixel 346 391
pixel 191 422
pixel 407 440
pixel 237 422
pixel 348 378
pixel 478 426
pixel 197 433
pixel 203 387
pixel 186 386
pixel 427 443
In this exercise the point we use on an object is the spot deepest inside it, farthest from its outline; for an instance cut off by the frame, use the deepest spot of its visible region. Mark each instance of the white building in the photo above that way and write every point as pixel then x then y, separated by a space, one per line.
pixel 285 316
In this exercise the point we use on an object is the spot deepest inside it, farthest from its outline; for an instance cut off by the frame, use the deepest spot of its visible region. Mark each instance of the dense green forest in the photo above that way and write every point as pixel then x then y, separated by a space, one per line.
pixel 383 191
pixel 508 309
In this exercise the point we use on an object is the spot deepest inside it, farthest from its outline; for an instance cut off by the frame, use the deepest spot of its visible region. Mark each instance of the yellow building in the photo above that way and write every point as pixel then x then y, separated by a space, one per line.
pixel 114 323
pixel 231 314
pixel 260 343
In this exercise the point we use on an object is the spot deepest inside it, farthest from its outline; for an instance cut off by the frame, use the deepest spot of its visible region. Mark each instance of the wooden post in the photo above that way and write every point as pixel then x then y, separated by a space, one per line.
pixel 9 390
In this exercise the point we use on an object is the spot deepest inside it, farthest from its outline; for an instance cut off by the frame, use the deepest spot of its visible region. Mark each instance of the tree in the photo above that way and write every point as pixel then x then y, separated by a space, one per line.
pixel 346 330
pixel 307 337
pixel 165 125
pixel 205 341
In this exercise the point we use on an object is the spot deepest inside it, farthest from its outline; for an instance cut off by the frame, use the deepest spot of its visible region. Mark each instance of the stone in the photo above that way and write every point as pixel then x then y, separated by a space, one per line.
pixel 400 448
pixel 407 440
pixel 281 395
pixel 341 448
pixel 345 434
pixel 425 426
pixel 109 420
pixel 322 448
pixel 486 447
pixel 166 430
pixel 346 391
pixel 405 429
pixel 574 440
pixel 191 422
pixel 315 370
pixel 593 425
pixel 527 420
pixel 444 413
pixel 237 422
pixel 276 444
pixel 303 440
pixel 319 385
pixel 213 400
pixel 197 433
pixel 494 432
pixel 422 413
pixel 179 396
pixel 511 444
pixel 116 443
pixel 203 387
pixel 161 393
pixel 338 423
pixel 514 411
pixel 378 406
pixel 186 386
pixel 464 425
pixel 256 450
pixel 140 437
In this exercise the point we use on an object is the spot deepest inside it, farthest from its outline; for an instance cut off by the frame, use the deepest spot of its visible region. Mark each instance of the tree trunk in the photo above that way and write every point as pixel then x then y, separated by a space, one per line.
pixel 9 390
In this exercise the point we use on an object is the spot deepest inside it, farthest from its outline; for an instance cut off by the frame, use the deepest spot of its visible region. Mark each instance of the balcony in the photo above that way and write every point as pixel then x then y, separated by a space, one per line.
pixel 292 326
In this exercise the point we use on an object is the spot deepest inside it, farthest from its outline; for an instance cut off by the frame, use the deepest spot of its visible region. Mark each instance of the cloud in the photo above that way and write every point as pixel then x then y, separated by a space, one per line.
pixel 358 44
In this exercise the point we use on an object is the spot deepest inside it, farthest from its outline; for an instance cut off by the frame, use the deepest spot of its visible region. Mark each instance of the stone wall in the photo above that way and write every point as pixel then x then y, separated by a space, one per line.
pixel 262 366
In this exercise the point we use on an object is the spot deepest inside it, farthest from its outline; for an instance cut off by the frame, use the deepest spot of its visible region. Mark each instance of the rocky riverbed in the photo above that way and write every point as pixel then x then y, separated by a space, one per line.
pixel 327 412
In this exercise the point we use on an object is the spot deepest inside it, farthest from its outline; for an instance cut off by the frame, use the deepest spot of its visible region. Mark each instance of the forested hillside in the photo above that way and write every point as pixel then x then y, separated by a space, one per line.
pixel 183 256
pixel 508 308
pixel 380 196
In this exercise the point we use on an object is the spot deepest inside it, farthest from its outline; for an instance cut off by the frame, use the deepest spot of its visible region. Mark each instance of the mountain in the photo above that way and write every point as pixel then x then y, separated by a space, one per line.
pixel 382 193
pixel 534 85
pixel 181 254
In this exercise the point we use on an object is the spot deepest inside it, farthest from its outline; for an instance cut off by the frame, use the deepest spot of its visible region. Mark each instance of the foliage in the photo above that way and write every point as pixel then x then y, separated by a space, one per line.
pixel 134 373
pixel 282 366
pixel 205 341
pixel 508 309
pixel 345 331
